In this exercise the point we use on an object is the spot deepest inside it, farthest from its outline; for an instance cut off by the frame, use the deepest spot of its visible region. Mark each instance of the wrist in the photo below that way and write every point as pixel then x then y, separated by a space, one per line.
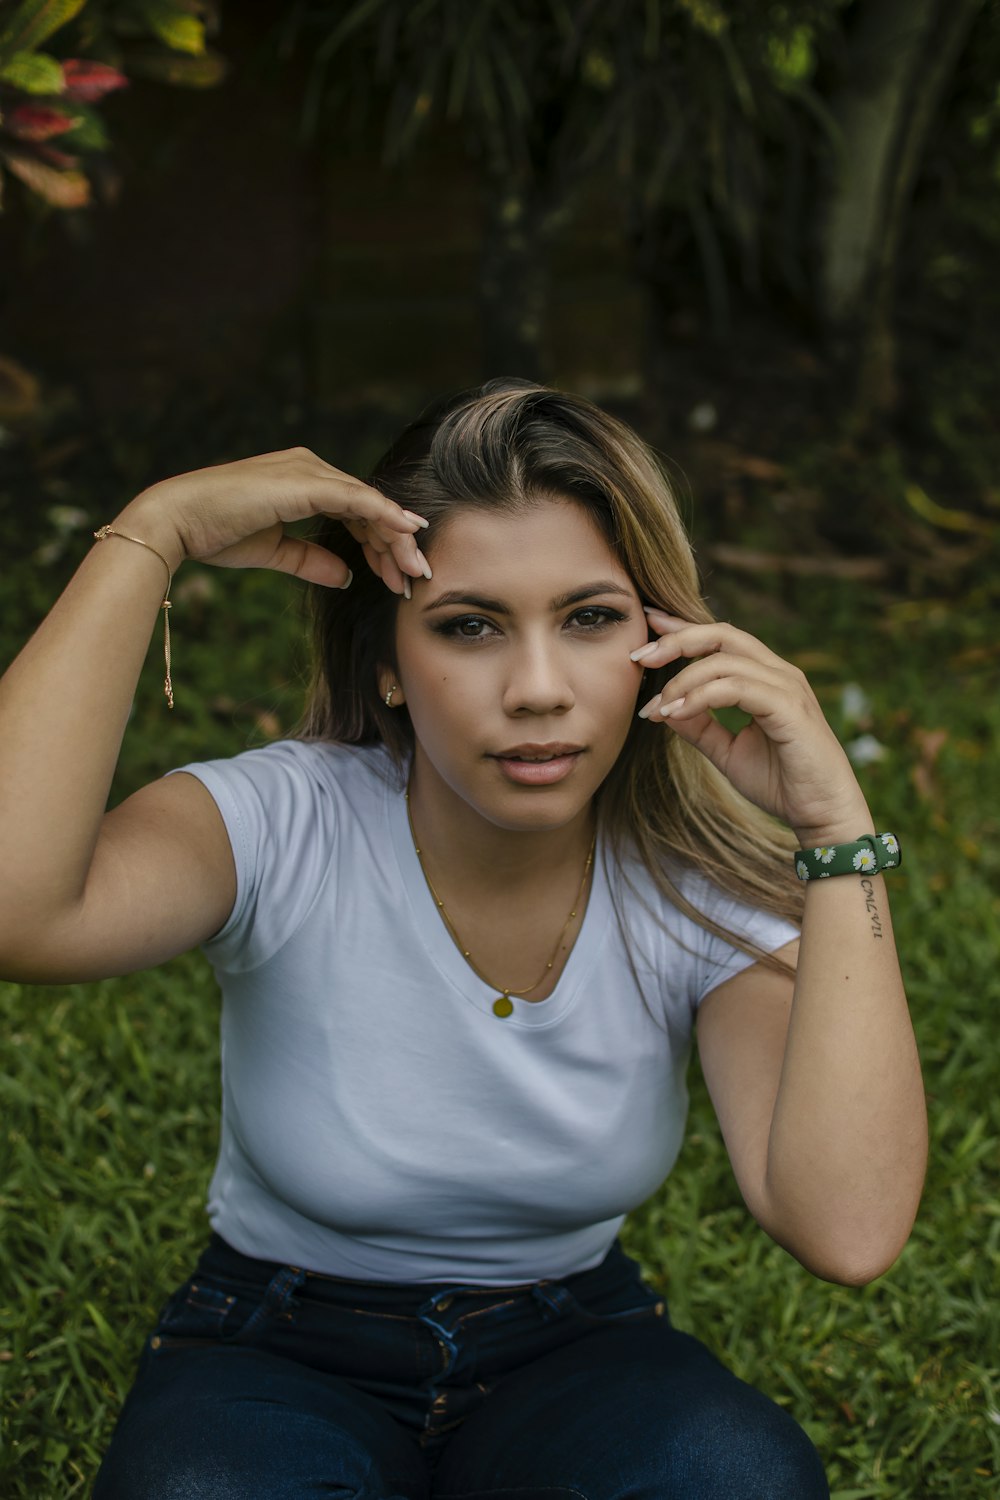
pixel 147 520
pixel 843 829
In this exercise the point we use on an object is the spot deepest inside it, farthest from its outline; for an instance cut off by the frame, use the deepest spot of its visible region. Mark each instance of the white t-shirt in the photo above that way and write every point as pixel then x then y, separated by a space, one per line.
pixel 379 1121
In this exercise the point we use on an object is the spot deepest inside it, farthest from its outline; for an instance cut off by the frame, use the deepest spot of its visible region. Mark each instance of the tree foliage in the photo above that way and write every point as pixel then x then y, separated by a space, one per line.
pixel 707 108
pixel 52 135
pixel 771 141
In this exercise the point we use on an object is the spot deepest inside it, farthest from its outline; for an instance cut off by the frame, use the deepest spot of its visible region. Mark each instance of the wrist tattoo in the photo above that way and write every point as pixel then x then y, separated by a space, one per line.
pixel 871 908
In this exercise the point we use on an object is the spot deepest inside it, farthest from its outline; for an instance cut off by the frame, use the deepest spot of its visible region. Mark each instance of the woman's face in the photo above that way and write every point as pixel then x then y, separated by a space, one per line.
pixel 514 663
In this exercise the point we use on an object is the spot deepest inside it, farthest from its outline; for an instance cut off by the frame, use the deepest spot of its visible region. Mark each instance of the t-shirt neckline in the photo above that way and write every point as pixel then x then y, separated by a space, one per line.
pixel 456 970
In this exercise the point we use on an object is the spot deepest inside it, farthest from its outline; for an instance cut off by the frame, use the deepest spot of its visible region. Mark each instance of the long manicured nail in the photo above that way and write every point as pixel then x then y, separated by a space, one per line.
pixel 407 591
pixel 644 651
pixel 425 566
pixel 419 519
pixel 649 707
pixel 348 580
pixel 666 709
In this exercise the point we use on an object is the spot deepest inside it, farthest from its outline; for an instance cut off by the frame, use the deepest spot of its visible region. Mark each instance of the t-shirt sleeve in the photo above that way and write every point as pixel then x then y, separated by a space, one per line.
pixel 717 960
pixel 281 825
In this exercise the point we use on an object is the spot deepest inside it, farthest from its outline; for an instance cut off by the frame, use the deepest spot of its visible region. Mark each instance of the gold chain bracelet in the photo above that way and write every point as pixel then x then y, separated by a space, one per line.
pixel 166 606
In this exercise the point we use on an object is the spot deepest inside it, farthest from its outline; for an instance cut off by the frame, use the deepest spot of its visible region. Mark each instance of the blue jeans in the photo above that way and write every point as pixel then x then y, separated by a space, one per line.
pixel 266 1382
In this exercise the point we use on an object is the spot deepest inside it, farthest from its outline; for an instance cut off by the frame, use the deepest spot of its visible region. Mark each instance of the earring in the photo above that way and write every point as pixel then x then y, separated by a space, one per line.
pixel 388 696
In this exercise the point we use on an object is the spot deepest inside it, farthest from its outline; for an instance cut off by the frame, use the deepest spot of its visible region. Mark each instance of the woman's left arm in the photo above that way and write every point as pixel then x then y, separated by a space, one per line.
pixel 816 1083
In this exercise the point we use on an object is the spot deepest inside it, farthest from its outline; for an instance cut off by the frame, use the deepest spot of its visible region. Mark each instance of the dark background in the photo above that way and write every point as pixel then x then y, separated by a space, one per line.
pixel 234 287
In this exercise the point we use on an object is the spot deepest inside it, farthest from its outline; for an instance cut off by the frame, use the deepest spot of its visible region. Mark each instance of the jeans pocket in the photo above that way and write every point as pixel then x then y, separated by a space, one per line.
pixel 205 1312
pixel 626 1304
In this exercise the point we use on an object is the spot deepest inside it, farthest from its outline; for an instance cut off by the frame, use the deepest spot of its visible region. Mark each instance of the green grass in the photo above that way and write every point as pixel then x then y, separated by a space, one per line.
pixel 109 1092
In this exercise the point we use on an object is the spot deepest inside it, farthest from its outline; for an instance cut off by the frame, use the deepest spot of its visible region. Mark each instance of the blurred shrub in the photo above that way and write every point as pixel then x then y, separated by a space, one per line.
pixel 45 98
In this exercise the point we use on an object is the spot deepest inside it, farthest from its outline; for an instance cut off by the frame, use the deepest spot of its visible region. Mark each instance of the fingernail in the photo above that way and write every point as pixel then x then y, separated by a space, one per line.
pixel 407 591
pixel 644 651
pixel 348 580
pixel 653 703
pixel 666 709
pixel 425 566
pixel 419 519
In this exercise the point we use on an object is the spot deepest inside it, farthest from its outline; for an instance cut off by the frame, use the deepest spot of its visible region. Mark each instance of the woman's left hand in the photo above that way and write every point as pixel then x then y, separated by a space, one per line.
pixel 787 760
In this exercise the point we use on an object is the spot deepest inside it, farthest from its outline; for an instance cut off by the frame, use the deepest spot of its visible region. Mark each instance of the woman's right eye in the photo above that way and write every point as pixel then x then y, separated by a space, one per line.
pixel 465 628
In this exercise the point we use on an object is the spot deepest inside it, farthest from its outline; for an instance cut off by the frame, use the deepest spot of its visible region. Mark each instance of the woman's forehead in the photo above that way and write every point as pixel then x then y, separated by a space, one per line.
pixel 547 532
pixel 546 558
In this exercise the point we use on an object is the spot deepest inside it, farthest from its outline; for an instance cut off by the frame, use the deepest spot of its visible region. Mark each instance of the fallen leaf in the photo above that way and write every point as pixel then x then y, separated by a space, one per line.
pixel 268 723
pixel 756 467
pixel 746 560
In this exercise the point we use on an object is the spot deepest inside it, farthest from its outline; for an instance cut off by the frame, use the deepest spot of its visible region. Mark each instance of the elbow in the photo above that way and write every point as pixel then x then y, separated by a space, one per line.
pixel 853 1250
pixel 853 1236
pixel 852 1272
pixel 855 1263
pixel 33 953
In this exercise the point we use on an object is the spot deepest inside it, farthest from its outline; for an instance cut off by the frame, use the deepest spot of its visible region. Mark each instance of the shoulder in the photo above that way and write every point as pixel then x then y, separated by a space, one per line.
pixel 673 923
pixel 300 768
pixel 293 793
pixel 685 893
pixel 295 812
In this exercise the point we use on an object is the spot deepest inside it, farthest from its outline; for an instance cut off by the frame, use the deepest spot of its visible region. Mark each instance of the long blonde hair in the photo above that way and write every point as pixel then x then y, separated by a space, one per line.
pixel 501 447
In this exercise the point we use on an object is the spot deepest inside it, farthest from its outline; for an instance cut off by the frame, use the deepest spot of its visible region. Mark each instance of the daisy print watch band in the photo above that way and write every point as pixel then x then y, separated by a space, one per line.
pixel 865 856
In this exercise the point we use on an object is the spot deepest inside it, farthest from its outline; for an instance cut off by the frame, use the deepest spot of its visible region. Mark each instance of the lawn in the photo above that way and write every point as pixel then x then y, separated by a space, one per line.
pixel 110 1093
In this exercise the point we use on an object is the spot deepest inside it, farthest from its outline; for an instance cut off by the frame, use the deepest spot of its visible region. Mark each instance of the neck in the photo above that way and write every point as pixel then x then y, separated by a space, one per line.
pixel 479 855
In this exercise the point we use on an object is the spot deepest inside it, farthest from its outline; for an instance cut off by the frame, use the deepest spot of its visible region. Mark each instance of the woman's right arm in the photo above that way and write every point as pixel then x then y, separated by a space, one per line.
pixel 86 894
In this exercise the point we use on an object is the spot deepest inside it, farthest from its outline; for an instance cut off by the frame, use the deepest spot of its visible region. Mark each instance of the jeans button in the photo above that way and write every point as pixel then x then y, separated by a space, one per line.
pixel 444 1304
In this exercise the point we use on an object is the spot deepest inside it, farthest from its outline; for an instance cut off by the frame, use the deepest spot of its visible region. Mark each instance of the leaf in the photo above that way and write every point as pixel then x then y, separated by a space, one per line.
pixel 183 33
pixel 354 18
pixel 35 20
pixel 88 81
pixel 20 391
pixel 930 743
pixel 32 72
pixel 706 16
pixel 737 74
pixel 756 467
pixel 939 515
pixel 61 189
pixel 55 157
pixel 34 122
pixel 747 560
pixel 89 132
pixel 185 72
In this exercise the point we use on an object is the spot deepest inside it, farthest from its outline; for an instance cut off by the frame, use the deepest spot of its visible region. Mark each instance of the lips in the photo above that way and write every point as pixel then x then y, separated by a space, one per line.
pixel 535 752
pixel 538 765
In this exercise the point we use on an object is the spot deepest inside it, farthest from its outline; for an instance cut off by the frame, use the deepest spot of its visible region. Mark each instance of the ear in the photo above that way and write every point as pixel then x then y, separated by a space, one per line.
pixel 388 679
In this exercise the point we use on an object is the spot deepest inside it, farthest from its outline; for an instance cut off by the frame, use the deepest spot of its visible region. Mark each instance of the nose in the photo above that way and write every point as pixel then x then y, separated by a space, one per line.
pixel 538 679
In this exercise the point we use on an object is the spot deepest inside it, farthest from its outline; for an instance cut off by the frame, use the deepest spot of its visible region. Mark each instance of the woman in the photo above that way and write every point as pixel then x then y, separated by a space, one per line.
pixel 463 925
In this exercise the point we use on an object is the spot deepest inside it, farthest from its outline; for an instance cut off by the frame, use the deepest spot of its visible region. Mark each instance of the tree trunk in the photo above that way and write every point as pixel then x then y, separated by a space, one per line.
pixel 902 54
pixel 514 277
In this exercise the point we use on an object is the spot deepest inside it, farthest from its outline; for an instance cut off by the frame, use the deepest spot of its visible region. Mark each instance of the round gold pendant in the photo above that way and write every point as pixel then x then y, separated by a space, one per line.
pixel 503 1005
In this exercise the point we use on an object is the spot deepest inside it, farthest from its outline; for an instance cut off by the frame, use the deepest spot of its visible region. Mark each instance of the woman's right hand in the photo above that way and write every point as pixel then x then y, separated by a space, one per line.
pixel 233 516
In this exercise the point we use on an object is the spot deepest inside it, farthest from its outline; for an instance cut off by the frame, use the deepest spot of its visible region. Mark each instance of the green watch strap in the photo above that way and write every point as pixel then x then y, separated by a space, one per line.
pixel 865 856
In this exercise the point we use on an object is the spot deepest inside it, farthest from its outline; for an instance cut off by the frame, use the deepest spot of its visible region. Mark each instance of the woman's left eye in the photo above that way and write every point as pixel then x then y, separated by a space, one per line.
pixel 594 617
pixel 590 619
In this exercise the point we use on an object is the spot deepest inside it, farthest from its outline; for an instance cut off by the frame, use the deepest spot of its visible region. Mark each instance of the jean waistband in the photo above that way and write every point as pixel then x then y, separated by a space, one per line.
pixel 221 1259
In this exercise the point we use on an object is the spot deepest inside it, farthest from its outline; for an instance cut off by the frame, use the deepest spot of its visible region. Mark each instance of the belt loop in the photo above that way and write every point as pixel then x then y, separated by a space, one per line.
pixel 281 1289
pixel 557 1301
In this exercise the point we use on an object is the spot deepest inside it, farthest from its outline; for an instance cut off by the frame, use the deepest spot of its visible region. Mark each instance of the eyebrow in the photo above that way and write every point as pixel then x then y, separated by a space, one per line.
pixel 500 607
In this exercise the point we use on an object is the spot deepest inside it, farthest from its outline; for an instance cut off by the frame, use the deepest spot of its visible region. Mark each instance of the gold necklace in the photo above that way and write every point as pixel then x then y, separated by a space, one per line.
pixel 502 1005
